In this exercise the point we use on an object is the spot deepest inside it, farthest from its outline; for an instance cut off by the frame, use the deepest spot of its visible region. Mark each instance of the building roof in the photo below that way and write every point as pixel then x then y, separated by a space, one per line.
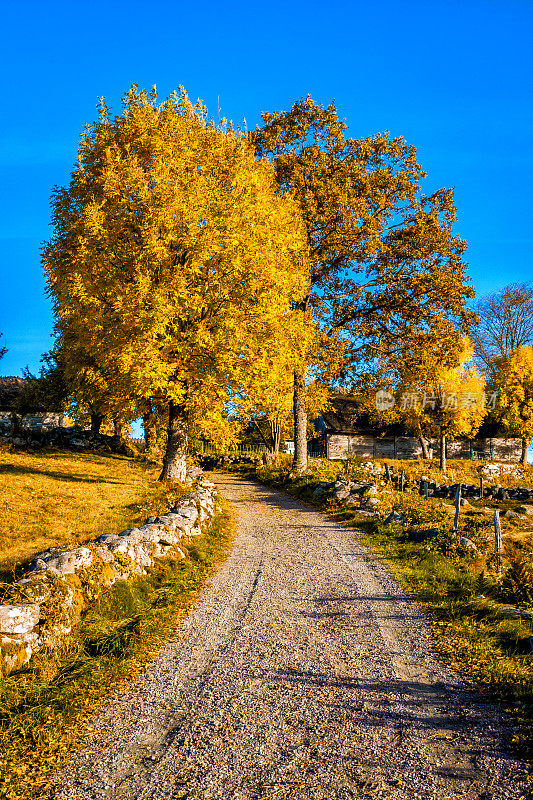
pixel 347 414
pixel 343 414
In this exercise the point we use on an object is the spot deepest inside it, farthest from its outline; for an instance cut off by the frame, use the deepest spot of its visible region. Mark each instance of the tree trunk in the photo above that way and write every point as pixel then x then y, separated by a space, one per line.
pixel 423 442
pixel 525 448
pixel 443 451
pixel 424 446
pixel 275 433
pixel 175 460
pixel 262 435
pixel 300 424
pixel 16 423
pixel 118 428
pixel 96 422
pixel 150 435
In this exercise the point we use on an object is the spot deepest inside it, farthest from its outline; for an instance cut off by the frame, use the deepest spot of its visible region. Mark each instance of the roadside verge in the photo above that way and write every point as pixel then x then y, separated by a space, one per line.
pixel 44 708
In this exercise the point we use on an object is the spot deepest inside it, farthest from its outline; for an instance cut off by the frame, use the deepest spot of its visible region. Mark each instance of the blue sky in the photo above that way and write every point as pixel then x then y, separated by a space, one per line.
pixel 453 78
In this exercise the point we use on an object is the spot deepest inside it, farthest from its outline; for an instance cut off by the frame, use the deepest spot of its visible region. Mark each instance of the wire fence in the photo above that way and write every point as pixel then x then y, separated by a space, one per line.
pixel 199 446
pixel 140 444
pixel 206 448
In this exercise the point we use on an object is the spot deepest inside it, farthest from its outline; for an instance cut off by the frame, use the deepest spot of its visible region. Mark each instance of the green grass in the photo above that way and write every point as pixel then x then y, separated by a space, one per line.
pixel 495 652
pixel 44 709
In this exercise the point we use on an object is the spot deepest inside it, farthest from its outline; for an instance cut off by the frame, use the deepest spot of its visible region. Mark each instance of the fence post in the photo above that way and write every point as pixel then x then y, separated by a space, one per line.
pixel 457 509
pixel 498 541
pixel 481 488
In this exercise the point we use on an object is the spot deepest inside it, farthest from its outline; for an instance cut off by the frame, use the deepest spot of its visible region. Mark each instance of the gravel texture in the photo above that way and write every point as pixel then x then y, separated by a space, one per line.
pixel 303 672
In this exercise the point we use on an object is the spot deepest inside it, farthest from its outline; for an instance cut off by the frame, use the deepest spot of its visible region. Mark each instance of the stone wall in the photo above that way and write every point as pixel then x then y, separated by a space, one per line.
pixel 59 584
pixel 44 421
pixel 72 438
pixel 342 445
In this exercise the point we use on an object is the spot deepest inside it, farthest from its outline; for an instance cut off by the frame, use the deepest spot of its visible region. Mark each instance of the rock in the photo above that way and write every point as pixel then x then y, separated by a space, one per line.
pixel 341 493
pixel 36 588
pixel 508 612
pixel 423 534
pixel 371 503
pixel 510 514
pixel 107 538
pixel 353 501
pixel 19 618
pixel 489 470
pixel 188 511
pixel 395 518
pixel 168 540
pixel 68 562
pixel 467 544
pixel 14 654
pixel 524 510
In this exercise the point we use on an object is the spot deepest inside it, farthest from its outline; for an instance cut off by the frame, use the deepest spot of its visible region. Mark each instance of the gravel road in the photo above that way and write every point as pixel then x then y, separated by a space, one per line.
pixel 303 672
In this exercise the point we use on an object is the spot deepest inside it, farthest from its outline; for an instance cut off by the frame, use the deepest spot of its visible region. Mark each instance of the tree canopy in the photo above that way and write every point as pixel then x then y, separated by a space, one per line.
pixel 504 324
pixel 384 259
pixel 444 396
pixel 173 263
pixel 514 378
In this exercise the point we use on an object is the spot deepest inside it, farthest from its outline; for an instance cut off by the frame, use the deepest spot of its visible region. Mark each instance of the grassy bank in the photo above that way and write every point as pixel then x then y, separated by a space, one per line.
pixel 475 640
pixel 43 710
pixel 58 498
pixel 458 589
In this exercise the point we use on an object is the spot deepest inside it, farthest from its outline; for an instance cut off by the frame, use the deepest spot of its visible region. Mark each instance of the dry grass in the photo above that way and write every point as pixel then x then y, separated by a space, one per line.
pixel 58 498
pixel 461 470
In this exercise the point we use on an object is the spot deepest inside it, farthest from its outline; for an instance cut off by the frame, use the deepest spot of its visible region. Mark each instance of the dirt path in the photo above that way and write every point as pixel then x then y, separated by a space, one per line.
pixel 303 672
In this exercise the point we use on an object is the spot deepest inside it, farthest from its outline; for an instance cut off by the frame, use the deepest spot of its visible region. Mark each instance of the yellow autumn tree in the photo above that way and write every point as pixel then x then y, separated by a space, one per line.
pixel 384 257
pixel 266 401
pixel 441 393
pixel 514 379
pixel 174 261
pixel 91 398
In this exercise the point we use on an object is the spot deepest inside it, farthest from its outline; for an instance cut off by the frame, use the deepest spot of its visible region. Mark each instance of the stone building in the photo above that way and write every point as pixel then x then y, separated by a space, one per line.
pixel 344 432
pixel 35 419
